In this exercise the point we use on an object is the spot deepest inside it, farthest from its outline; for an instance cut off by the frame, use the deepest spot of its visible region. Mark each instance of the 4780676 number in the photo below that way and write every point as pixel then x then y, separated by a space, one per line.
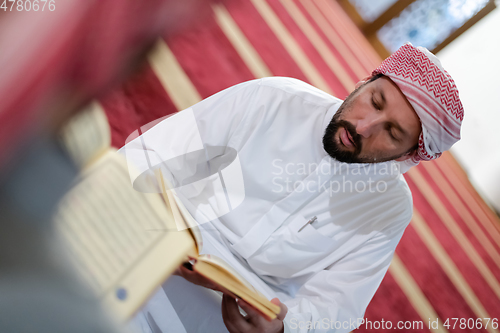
pixel 471 323
pixel 28 5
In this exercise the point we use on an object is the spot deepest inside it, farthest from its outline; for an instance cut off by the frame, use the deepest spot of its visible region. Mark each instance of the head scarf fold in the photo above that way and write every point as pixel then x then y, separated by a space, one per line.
pixel 433 95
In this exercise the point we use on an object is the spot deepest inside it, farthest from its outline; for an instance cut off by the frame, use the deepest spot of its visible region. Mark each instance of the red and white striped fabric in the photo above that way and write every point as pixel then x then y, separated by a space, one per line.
pixel 433 94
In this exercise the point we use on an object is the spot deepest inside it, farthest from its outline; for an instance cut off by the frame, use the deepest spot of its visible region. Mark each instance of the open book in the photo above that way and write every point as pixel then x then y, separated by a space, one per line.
pixel 126 243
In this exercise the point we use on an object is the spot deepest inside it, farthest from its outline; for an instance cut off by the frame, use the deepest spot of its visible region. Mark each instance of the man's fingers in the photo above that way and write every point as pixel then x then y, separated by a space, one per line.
pixel 232 316
pixel 229 325
pixel 253 315
pixel 284 308
pixel 251 312
pixel 184 272
pixel 276 301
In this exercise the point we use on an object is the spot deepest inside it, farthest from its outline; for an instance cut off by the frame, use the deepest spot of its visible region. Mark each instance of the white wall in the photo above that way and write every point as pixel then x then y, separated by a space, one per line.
pixel 473 60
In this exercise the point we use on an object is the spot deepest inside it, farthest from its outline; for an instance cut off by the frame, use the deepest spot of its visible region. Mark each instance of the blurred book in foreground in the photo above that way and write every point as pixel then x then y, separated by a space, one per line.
pixel 126 243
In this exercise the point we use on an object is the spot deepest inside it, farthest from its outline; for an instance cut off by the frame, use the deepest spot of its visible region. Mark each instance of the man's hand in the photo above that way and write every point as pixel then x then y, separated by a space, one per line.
pixel 253 322
pixel 233 319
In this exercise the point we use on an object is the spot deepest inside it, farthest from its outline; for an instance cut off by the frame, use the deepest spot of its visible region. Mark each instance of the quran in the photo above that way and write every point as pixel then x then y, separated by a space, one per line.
pixel 125 243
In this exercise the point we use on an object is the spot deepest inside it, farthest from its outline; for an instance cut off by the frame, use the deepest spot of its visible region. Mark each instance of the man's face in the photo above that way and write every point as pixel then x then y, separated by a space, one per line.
pixel 376 123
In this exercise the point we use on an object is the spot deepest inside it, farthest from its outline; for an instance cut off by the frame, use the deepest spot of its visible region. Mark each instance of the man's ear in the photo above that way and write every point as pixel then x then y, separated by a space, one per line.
pixel 362 82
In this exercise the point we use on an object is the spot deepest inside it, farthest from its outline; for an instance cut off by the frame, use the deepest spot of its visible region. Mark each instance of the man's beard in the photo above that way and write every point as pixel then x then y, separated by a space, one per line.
pixel 335 149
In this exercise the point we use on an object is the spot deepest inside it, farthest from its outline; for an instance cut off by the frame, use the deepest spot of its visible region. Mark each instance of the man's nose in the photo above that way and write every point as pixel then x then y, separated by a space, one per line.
pixel 369 124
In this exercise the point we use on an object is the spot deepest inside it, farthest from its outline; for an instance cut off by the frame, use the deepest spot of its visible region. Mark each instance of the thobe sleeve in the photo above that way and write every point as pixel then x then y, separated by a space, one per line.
pixel 333 299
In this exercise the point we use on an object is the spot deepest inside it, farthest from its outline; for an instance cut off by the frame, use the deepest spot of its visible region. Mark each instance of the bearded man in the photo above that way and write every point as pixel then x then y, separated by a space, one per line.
pixel 324 203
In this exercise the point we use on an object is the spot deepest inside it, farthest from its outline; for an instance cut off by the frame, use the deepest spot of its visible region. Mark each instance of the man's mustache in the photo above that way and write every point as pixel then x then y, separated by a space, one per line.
pixel 356 138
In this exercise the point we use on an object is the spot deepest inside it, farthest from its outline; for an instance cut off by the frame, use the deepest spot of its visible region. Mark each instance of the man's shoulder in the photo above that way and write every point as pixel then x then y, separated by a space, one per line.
pixel 301 89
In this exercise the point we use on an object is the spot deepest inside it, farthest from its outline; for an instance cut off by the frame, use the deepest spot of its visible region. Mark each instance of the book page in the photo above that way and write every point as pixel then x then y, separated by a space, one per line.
pixel 86 136
pixel 121 240
pixel 228 277
pixel 228 281
pixel 182 217
pixel 190 222
pixel 216 261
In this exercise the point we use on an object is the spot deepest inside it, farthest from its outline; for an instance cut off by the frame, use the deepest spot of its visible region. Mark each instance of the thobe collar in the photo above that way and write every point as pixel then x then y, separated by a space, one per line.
pixel 330 113
pixel 328 118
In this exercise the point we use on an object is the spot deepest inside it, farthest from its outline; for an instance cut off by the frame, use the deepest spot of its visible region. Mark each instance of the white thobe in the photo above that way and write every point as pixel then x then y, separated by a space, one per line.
pixel 326 273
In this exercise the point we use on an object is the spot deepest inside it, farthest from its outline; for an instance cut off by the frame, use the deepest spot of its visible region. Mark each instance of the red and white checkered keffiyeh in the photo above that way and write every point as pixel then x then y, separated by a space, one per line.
pixel 434 97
